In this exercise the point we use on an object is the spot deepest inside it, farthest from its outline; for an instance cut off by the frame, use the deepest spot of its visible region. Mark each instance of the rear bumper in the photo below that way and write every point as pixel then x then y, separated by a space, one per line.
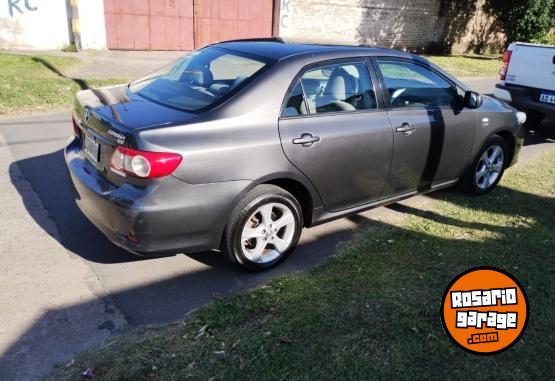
pixel 523 98
pixel 167 216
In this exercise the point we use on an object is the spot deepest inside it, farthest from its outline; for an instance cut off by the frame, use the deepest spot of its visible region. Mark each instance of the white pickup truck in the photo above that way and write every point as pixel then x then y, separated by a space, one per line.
pixel 528 80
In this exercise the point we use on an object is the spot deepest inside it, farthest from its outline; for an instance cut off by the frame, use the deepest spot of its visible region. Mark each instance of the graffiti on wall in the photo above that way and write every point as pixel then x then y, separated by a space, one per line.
pixel 285 20
pixel 20 6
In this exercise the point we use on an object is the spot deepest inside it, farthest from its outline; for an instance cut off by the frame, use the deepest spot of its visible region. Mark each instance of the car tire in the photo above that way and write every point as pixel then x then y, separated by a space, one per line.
pixel 487 168
pixel 263 229
pixel 533 119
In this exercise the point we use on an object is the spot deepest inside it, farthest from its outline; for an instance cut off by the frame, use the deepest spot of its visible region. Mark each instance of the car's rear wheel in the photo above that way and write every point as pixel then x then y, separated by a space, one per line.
pixel 488 167
pixel 263 229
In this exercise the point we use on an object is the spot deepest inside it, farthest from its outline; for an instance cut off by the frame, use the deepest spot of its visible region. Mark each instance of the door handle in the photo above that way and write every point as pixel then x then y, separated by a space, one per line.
pixel 307 140
pixel 406 129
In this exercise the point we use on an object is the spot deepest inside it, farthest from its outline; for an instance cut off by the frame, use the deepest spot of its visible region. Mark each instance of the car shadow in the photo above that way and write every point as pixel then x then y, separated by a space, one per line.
pixel 204 273
pixel 48 176
pixel 25 356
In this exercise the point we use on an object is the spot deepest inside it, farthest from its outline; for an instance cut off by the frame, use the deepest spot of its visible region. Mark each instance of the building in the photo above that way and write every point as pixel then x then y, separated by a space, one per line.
pixel 190 24
pixel 131 24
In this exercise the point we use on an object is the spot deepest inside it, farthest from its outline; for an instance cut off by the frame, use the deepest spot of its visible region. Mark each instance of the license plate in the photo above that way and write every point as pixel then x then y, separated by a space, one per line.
pixel 547 98
pixel 91 148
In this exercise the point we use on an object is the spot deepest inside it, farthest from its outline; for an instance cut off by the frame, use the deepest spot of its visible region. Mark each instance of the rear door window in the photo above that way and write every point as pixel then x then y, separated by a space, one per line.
pixel 342 87
pixel 296 104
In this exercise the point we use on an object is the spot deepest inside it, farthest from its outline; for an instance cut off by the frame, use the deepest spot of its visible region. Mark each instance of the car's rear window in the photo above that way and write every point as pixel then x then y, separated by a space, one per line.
pixel 200 80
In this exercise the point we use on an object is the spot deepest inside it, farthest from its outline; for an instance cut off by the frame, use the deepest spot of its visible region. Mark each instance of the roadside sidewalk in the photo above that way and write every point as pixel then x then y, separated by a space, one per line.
pixel 49 297
pixel 483 85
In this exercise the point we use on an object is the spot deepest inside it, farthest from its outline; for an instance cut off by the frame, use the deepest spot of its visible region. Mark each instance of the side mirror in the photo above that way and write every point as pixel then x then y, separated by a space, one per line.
pixel 472 99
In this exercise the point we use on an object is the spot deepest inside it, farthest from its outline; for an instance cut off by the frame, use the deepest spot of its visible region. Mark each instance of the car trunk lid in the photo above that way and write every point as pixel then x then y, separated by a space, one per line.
pixel 110 117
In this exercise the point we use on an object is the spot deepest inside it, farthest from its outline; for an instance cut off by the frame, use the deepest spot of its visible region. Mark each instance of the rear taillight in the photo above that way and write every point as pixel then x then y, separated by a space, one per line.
pixel 505 67
pixel 143 164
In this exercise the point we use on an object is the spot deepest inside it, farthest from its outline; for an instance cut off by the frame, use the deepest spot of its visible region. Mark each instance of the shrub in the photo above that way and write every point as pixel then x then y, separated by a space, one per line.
pixel 546 39
pixel 523 20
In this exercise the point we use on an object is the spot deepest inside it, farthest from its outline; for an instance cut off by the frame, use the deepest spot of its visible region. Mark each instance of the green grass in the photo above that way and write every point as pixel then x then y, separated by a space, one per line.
pixel 468 66
pixel 371 311
pixel 36 83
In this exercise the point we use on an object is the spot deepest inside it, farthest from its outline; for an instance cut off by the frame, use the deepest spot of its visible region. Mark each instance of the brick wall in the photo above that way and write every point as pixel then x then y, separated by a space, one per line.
pixel 459 25
pixel 404 24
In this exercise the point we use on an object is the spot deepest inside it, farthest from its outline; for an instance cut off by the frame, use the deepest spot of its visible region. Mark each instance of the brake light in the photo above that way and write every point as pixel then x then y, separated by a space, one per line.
pixel 505 67
pixel 143 164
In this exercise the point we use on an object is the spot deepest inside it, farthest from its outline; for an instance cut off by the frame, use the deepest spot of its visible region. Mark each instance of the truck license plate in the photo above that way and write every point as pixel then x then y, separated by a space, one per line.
pixel 547 98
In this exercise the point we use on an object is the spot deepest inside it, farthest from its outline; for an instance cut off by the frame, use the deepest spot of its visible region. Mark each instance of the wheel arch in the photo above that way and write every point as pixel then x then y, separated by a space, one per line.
pixel 299 187
pixel 300 192
pixel 511 143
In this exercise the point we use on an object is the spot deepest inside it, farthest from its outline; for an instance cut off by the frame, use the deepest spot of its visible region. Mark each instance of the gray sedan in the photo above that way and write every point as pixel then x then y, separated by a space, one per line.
pixel 241 144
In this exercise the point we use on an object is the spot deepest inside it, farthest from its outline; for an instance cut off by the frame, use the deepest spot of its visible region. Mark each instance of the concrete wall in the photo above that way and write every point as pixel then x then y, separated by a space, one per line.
pixel 401 24
pixel 91 24
pixel 33 24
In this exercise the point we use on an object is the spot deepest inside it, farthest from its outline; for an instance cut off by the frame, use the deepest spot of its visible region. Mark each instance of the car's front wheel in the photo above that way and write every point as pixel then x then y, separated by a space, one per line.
pixel 263 229
pixel 487 168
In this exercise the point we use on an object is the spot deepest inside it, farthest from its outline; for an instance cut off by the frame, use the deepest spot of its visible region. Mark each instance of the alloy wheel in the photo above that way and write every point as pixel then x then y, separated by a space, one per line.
pixel 268 232
pixel 489 167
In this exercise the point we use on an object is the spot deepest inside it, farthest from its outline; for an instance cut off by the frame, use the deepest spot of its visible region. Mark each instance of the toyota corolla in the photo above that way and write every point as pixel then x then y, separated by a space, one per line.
pixel 241 144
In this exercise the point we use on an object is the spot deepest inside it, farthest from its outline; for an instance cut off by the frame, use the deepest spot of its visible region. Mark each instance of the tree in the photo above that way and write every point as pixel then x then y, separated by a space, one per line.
pixel 523 20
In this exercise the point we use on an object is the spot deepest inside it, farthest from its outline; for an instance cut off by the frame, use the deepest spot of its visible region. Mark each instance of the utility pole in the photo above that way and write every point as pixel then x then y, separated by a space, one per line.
pixel 73 23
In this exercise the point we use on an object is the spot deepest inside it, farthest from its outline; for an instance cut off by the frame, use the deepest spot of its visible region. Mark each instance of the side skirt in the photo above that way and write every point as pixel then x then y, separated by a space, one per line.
pixel 320 215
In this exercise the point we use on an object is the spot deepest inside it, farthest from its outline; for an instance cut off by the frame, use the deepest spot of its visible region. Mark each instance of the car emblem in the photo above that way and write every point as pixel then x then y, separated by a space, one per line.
pixel 87 116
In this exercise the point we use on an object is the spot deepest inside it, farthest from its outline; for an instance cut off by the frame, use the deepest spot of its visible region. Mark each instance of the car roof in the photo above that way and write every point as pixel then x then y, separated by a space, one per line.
pixel 280 48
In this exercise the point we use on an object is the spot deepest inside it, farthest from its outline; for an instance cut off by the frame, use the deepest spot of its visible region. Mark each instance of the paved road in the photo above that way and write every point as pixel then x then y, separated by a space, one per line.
pixel 143 291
